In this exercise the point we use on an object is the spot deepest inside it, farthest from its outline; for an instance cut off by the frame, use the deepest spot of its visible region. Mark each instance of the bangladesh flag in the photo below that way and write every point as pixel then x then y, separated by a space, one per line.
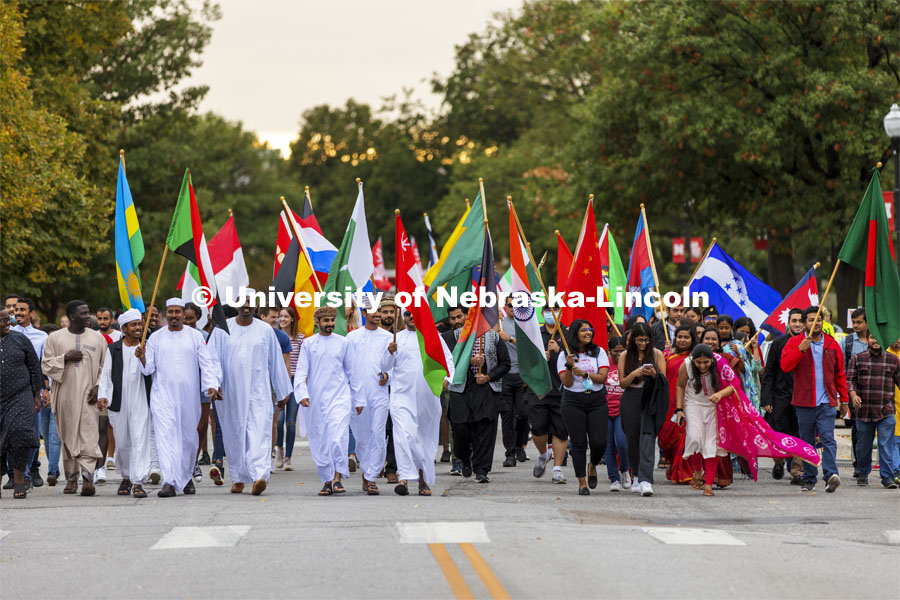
pixel 868 248
pixel 186 238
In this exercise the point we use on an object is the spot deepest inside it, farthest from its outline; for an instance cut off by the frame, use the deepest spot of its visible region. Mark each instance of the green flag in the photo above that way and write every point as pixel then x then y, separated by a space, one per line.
pixel 868 248
pixel 613 271
pixel 456 272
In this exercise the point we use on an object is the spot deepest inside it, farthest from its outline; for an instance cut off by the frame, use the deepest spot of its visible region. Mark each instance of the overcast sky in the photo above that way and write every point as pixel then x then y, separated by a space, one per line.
pixel 269 60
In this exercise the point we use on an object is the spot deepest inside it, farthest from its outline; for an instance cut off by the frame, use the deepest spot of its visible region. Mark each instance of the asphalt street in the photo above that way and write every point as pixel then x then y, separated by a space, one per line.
pixel 517 537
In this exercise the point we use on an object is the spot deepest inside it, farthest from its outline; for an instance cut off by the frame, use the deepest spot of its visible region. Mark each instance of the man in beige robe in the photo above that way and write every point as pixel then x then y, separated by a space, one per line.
pixel 73 360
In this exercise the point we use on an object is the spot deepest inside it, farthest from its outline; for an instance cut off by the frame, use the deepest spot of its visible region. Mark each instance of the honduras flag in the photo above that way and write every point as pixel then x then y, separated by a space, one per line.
pixel 732 289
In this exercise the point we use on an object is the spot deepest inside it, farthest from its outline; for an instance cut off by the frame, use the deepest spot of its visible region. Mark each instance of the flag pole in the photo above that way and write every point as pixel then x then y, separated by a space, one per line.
pixel 827 289
pixel 290 216
pixel 541 279
pixel 702 258
pixel 230 214
pixel 655 276
pixel 543 258
pixel 308 197
pixel 759 329
pixel 153 298
pixel 580 235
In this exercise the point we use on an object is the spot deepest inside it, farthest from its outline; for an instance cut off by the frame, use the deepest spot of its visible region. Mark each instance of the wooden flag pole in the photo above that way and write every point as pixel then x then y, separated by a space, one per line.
pixel 655 275
pixel 541 279
pixel 308 197
pixel 149 311
pixel 702 258
pixel 543 258
pixel 230 214
pixel 296 228
pixel 759 329
pixel 827 289
pixel 580 235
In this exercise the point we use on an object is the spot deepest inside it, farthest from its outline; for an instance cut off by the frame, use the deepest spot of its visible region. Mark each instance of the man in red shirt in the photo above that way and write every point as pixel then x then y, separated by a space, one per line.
pixel 820 386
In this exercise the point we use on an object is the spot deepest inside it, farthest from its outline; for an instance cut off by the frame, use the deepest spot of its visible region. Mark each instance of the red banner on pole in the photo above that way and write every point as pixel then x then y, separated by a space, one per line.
pixel 678 250
pixel 696 249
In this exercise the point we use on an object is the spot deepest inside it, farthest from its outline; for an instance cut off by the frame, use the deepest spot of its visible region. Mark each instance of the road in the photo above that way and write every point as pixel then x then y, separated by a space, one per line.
pixel 516 537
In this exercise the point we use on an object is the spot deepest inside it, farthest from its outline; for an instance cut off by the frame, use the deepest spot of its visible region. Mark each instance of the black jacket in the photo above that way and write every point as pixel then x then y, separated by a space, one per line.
pixel 115 351
pixel 654 404
pixel 777 386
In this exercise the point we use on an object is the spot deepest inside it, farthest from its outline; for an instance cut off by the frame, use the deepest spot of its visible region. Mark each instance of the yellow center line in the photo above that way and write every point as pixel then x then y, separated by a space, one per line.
pixel 493 585
pixel 458 585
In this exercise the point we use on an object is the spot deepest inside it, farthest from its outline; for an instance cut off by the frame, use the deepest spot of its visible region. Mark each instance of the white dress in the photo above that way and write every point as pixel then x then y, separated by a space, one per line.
pixel 701 425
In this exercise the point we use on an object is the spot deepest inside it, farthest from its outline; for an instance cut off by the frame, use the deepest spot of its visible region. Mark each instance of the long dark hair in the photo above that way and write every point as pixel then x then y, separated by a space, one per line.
pixel 632 361
pixel 703 351
pixel 591 349
pixel 690 329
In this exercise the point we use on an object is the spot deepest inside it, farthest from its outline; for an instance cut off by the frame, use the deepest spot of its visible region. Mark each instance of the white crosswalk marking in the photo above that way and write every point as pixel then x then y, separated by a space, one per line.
pixel 693 537
pixel 201 537
pixel 893 537
pixel 472 532
pixel 3 534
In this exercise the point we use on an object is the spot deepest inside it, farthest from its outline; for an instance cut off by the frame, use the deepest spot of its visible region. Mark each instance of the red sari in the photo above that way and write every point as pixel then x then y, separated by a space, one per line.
pixel 671 436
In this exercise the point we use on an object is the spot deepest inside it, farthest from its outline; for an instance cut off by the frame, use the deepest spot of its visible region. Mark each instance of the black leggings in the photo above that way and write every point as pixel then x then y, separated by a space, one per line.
pixel 586 416
pixel 641 446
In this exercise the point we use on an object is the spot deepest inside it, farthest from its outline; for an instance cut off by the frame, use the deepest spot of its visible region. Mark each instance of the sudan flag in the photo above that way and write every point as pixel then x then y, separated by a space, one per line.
pixel 409 278
pixel 868 248
pixel 186 238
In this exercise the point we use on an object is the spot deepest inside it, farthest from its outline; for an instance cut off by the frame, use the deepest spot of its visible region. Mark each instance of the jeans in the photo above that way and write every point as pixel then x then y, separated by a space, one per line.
pixel 896 451
pixel 819 419
pixel 351 448
pixel 218 444
pixel 51 440
pixel 865 432
pixel 287 427
pixel 616 443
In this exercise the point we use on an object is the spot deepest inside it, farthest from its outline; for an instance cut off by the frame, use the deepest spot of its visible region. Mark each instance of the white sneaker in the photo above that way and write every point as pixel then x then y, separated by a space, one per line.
pixel 198 474
pixel 615 486
pixel 558 477
pixel 279 458
pixel 272 469
pixel 646 488
pixel 287 464
pixel 635 486
pixel 100 475
pixel 626 480
pixel 111 463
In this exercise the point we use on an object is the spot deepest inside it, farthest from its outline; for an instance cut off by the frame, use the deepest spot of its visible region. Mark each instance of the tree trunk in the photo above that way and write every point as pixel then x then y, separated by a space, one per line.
pixel 781 263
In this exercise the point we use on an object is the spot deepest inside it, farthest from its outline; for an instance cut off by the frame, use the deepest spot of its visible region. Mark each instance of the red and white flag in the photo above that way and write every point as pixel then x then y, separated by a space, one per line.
pixel 381 280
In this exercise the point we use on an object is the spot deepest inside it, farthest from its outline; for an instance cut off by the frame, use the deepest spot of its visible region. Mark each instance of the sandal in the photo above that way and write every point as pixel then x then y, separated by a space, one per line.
pixel 372 489
pixel 401 490
pixel 707 490
pixel 424 490
pixel 138 491
pixel 124 488
pixel 326 490
pixel 338 487
pixel 21 491
pixel 696 480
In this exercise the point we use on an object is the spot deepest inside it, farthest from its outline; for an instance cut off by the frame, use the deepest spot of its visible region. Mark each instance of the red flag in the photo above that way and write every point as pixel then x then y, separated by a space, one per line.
pixel 696 249
pixel 587 277
pixel 380 277
pixel 805 293
pixel 563 262
pixel 678 250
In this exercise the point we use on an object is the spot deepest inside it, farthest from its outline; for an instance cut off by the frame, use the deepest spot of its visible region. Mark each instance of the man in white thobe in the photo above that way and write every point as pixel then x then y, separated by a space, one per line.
pixel 415 410
pixel 251 361
pixel 369 344
pixel 179 360
pixel 124 390
pixel 322 385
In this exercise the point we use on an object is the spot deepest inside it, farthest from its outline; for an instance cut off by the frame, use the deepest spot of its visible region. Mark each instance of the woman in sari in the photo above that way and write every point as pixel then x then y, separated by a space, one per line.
pixel 712 338
pixel 721 419
pixel 671 436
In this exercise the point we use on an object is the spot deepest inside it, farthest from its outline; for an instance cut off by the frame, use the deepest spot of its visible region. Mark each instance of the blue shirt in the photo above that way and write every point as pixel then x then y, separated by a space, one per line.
pixel 818 349
pixel 35 336
pixel 284 341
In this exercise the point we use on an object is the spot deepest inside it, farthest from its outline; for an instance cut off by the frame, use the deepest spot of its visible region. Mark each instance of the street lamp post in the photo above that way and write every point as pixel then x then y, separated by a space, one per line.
pixel 892 128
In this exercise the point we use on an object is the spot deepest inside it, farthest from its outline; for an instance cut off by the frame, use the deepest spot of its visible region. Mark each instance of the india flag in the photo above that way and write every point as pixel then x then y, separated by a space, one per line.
pixel 533 367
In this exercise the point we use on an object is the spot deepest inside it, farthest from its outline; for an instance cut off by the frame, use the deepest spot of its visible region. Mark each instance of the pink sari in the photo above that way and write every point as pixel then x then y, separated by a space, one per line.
pixel 744 432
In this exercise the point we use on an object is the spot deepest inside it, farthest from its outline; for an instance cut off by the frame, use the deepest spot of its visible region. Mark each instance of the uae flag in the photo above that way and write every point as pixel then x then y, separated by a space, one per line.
pixel 533 368
pixel 805 293
pixel 186 238
pixel 409 278
pixel 868 248
pixel 480 319
pixel 227 259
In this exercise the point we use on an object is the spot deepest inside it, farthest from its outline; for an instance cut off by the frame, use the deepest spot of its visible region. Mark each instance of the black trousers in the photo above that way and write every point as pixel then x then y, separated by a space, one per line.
pixel 586 417
pixel 513 413
pixel 473 443
pixel 641 446
pixel 390 465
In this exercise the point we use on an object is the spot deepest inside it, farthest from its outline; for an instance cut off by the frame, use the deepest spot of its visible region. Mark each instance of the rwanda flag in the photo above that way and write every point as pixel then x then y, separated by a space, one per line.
pixel 129 245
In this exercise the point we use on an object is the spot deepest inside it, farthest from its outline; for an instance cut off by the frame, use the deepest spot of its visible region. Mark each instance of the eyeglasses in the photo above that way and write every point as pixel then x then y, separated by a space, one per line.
pixel 586 330
pixel 641 340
